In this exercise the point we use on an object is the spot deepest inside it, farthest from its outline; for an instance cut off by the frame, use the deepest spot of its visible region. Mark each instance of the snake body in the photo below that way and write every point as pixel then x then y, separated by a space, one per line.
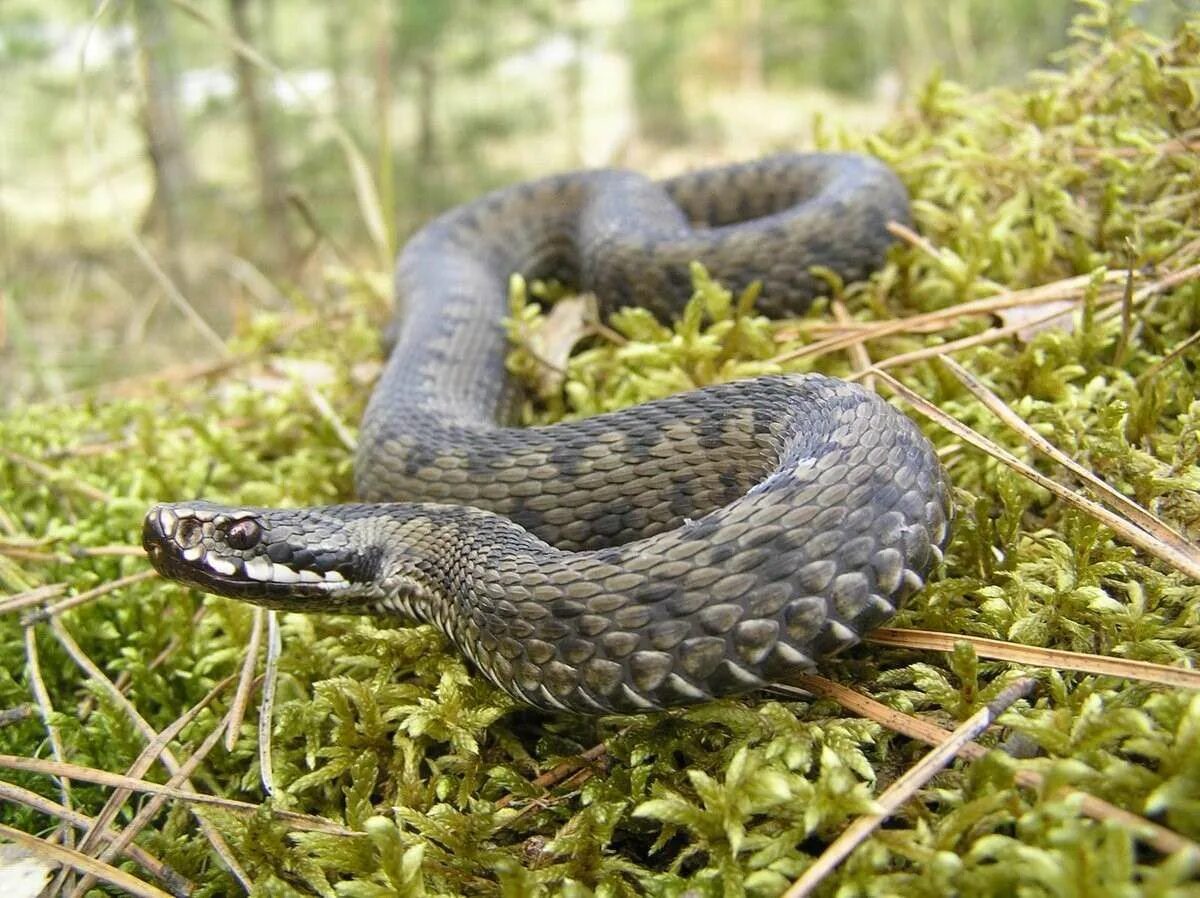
pixel 701 545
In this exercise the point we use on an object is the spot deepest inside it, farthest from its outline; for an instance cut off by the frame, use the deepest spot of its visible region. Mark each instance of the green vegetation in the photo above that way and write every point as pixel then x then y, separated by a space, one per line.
pixel 383 730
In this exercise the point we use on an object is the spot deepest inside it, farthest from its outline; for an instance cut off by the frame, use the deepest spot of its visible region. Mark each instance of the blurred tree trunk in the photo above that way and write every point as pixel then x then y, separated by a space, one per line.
pixel 573 83
pixel 271 190
pixel 752 54
pixel 384 97
pixel 426 103
pixel 425 170
pixel 335 27
pixel 161 123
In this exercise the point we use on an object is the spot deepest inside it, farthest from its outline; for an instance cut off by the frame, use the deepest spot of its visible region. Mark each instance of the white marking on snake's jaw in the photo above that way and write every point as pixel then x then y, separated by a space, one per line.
pixel 221 565
pixel 283 574
pixel 334 577
pixel 194 553
pixel 307 576
pixel 259 568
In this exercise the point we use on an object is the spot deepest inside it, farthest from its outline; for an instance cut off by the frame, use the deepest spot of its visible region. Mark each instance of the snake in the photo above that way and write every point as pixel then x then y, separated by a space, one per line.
pixel 706 544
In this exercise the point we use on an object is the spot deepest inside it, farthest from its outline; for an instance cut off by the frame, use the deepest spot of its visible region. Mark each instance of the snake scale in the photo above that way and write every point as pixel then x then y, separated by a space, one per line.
pixel 701 545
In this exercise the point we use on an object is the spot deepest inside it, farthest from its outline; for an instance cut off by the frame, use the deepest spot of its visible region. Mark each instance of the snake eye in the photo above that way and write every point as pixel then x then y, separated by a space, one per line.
pixel 243 535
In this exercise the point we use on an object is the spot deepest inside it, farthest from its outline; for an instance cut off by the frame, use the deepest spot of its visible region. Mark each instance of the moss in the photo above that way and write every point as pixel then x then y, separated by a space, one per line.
pixel 385 730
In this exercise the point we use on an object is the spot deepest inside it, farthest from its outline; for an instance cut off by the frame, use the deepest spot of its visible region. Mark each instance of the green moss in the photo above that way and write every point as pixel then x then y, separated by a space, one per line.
pixel 385 730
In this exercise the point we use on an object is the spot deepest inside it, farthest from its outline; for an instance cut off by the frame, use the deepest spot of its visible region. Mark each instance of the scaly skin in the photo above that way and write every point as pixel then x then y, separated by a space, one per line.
pixel 697 546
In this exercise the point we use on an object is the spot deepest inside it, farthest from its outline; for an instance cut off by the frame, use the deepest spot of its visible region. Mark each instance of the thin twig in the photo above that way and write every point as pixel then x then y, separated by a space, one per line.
pixel 1162 285
pixel 561 771
pixel 991 335
pixel 19 554
pixel 1034 656
pixel 325 410
pixel 904 788
pixel 108 551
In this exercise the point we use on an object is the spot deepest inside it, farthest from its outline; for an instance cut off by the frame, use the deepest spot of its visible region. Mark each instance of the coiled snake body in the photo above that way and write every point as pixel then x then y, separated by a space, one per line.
pixel 697 546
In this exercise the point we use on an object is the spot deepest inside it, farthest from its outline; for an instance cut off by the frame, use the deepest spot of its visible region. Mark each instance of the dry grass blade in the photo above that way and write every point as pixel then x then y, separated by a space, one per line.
pixel 904 788
pixel 32 597
pixel 305 822
pixel 215 839
pixel 154 805
pixel 1039 657
pixel 1153 525
pixel 237 709
pixel 58 479
pixel 266 711
pixel 69 858
pixel 325 410
pixel 174 882
pixel 1070 288
pixel 991 335
pixel 1162 839
pixel 141 384
pixel 1162 285
pixel 1152 372
pixel 113 551
pixel 42 697
pixel 1128 531
pixel 82 598
pixel 859 357
pixel 145 759
pixel 35 555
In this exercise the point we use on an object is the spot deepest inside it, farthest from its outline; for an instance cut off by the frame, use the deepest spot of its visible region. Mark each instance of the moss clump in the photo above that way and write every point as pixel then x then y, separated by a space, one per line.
pixel 384 730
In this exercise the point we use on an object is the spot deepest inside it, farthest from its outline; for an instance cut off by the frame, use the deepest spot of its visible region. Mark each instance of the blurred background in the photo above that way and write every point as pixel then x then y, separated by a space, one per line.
pixel 168 167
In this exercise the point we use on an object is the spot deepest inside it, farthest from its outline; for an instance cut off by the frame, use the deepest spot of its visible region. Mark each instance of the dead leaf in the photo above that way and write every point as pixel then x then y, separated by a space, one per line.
pixel 22 873
pixel 1016 315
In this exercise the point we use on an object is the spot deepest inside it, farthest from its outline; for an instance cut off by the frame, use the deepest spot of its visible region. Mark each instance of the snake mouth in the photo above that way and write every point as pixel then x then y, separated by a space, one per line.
pixel 229 552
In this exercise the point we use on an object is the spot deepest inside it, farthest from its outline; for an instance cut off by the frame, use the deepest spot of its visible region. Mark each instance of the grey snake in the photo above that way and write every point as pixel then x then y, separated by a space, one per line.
pixel 705 544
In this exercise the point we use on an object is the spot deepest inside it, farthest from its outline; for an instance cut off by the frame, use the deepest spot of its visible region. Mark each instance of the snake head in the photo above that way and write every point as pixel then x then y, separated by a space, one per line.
pixel 285 559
